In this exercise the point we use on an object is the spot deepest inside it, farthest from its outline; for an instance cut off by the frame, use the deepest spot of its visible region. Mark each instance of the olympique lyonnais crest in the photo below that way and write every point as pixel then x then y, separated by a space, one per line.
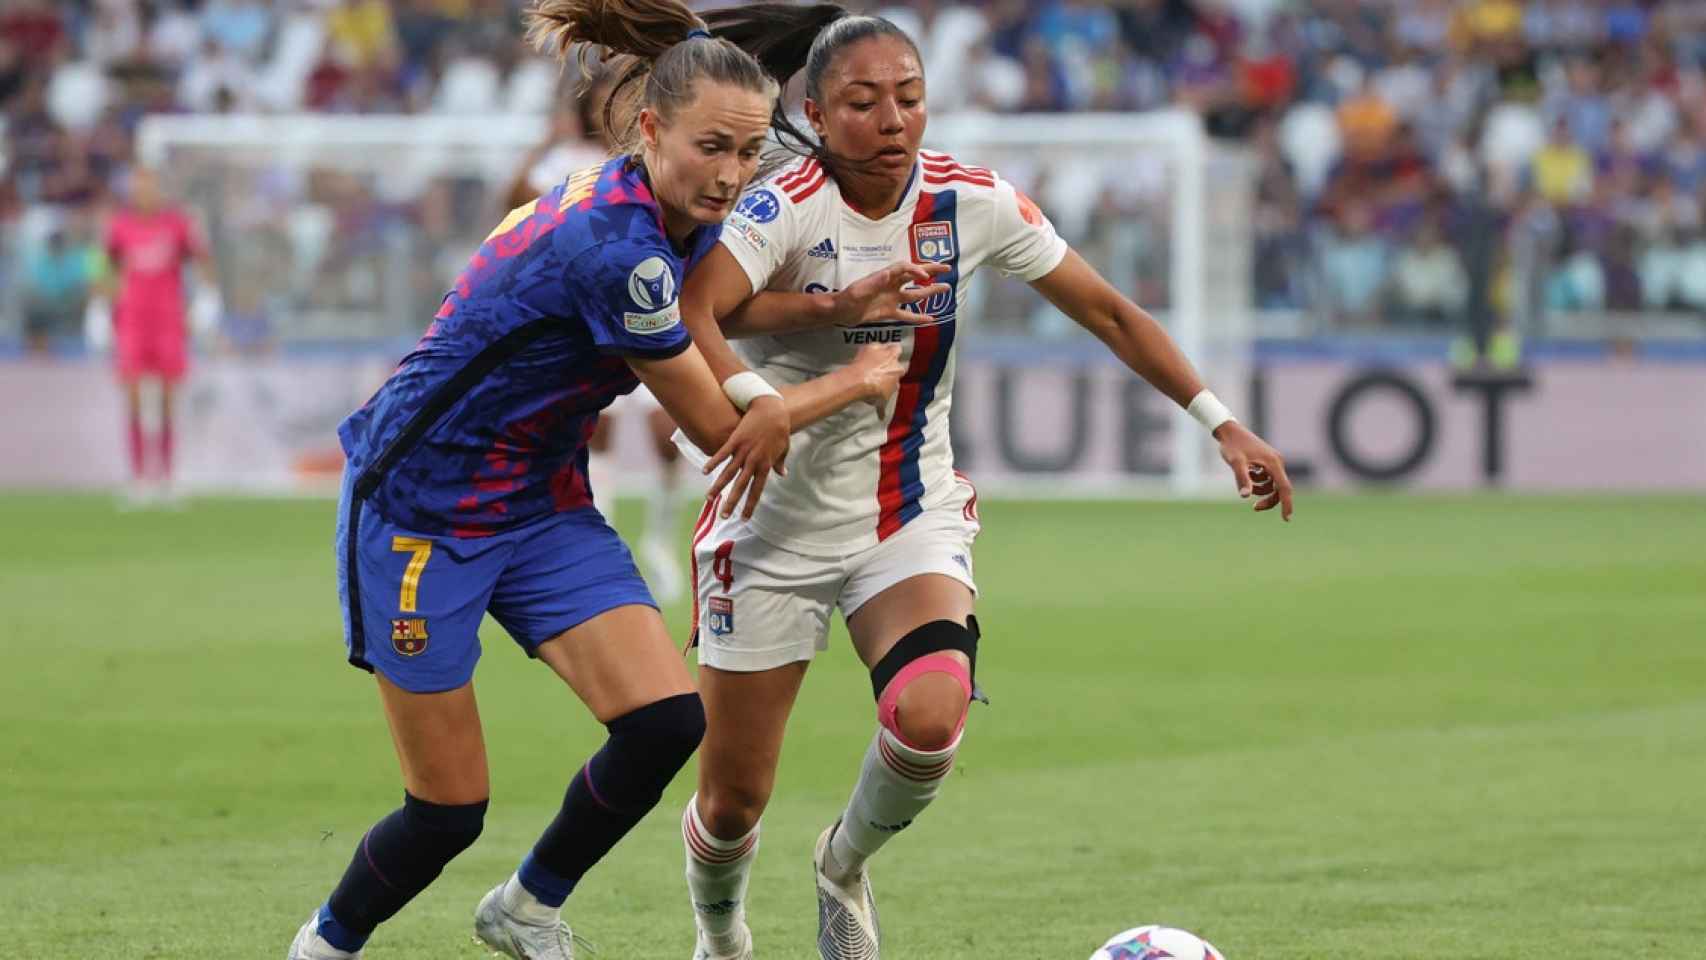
pixel 933 241
pixel 409 636
pixel 720 615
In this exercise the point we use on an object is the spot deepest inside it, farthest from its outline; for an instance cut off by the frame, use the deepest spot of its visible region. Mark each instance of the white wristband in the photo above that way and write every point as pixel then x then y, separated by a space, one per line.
pixel 1209 411
pixel 745 387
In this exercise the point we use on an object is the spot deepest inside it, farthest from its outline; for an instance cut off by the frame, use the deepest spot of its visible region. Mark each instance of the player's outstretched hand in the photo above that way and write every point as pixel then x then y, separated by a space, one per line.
pixel 878 367
pixel 883 296
pixel 758 445
pixel 1257 468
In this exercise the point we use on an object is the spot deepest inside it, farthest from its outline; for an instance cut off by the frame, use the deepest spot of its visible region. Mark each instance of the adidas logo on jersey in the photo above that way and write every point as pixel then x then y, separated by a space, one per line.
pixel 825 250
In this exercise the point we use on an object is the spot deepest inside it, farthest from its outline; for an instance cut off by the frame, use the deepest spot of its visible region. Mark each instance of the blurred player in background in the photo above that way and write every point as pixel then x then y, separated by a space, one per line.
pixel 576 141
pixel 872 518
pixel 149 242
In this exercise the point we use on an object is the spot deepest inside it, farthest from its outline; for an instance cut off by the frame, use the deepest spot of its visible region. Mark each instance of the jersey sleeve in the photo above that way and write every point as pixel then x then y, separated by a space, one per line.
pixel 1025 244
pixel 628 295
pixel 760 232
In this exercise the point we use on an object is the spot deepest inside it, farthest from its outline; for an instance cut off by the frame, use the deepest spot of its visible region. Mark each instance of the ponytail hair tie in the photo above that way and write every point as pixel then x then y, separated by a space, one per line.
pixel 698 33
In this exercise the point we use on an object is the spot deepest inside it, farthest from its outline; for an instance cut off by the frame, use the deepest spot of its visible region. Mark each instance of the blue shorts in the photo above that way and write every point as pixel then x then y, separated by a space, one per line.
pixel 413 602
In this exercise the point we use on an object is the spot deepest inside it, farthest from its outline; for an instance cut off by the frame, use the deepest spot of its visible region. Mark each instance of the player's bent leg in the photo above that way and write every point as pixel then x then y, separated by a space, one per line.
pixel 747 714
pixel 623 666
pixel 168 416
pixel 761 613
pixel 601 468
pixel 443 757
pixel 659 545
pixel 136 441
pixel 918 637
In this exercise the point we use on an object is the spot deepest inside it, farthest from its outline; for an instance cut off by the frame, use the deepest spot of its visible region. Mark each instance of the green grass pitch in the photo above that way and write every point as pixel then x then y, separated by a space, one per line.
pixel 1396 728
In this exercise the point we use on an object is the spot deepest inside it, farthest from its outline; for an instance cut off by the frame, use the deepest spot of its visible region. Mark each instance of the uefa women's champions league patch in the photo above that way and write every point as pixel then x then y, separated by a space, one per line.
pixel 651 288
pixel 652 285
pixel 759 206
pixel 933 241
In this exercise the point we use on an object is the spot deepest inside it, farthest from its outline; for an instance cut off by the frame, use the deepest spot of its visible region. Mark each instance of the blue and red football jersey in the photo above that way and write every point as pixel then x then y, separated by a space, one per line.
pixel 483 426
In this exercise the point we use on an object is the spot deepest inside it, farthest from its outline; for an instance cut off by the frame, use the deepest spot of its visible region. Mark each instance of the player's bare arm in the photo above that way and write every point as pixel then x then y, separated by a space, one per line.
pixel 715 290
pixel 872 377
pixel 763 432
pixel 887 295
pixel 689 393
pixel 684 385
pixel 1143 345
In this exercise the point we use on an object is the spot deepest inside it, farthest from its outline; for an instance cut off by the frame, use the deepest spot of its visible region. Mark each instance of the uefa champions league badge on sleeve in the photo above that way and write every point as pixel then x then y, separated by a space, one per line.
pixel 720 615
pixel 759 206
pixel 651 287
pixel 933 241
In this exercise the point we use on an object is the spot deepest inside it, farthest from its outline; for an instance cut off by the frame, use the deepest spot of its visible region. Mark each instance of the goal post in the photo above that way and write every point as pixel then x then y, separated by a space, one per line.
pixel 1191 196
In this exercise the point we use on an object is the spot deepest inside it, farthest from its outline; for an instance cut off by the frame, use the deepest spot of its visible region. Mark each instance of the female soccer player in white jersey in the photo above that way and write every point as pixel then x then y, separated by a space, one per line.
pixel 871 516
pixel 466 490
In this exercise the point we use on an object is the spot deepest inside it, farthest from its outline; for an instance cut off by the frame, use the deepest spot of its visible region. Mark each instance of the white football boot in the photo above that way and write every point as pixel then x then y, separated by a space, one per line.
pixel 309 945
pixel 509 936
pixel 846 915
pixel 736 946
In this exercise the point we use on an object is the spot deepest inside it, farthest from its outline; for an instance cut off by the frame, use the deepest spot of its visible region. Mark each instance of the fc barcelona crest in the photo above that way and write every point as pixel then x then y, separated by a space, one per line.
pixel 933 241
pixel 720 616
pixel 409 636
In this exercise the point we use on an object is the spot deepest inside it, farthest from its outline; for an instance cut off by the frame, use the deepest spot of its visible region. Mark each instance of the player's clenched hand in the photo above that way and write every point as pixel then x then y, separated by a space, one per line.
pixel 883 297
pixel 878 367
pixel 1257 468
pixel 758 445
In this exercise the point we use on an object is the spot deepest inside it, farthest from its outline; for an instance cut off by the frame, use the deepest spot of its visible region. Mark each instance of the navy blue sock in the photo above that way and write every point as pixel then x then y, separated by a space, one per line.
pixel 613 792
pixel 395 860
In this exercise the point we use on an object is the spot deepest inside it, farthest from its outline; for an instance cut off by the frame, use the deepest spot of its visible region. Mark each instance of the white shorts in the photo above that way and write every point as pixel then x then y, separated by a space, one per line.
pixel 757 606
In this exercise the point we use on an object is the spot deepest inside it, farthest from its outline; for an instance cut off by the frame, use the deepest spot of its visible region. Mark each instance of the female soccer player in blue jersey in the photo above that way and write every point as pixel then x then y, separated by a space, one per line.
pixel 466 487
pixel 873 518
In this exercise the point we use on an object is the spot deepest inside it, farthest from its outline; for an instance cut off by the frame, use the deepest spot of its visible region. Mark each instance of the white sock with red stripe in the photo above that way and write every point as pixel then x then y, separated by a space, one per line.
pixel 717 874
pixel 896 783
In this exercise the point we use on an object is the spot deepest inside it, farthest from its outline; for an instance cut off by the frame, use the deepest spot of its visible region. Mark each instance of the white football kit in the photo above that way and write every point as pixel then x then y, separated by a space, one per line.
pixel 868 500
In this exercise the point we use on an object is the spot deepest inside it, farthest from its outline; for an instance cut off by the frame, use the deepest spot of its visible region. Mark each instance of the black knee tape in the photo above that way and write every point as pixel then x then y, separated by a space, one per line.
pixel 440 831
pixel 934 637
pixel 646 749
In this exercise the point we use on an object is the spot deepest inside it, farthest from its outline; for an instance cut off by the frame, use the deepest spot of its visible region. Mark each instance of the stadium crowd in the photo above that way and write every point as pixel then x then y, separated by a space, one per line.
pixel 1418 163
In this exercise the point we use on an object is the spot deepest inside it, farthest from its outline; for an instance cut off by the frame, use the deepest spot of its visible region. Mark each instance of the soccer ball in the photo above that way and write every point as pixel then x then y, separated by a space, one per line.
pixel 1155 942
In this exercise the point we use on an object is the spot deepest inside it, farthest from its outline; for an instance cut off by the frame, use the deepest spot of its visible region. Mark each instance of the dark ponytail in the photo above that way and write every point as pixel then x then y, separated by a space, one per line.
pixel 630 41
pixel 788 40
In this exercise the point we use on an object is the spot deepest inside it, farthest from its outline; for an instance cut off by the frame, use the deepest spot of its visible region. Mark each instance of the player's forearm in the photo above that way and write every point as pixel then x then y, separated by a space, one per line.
pixel 772 312
pixel 1143 344
pixel 822 396
pixel 687 391
pixel 713 345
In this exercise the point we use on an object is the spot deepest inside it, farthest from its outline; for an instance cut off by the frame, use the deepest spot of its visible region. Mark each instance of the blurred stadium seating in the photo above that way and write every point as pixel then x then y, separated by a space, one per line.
pixel 1389 136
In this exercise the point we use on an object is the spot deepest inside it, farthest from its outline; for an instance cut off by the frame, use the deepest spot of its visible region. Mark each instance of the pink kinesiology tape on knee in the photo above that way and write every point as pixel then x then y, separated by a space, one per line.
pixel 889 703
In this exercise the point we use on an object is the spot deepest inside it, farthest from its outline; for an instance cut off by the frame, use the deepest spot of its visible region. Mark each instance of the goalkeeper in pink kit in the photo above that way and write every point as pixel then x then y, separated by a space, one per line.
pixel 150 242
